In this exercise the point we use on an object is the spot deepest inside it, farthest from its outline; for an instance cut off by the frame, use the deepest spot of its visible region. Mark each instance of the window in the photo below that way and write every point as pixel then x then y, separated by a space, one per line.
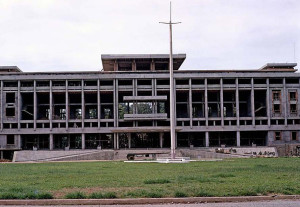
pixel 293 108
pixel 276 108
pixel 294 136
pixel 10 98
pixel 144 108
pixel 93 113
pixel 277 136
pixel 293 96
pixel 10 111
pixel 276 95
pixel 62 114
pixel 10 139
pixel 107 113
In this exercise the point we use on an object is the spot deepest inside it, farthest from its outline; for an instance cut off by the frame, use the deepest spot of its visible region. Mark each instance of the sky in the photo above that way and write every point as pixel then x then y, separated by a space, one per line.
pixel 71 35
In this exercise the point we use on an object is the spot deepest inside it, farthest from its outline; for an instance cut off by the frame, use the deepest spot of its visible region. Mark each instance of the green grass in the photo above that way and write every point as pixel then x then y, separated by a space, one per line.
pixel 157 181
pixel 233 177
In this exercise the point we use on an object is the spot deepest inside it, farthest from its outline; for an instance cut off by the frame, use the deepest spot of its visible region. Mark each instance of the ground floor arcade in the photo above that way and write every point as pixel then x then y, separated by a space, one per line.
pixel 141 140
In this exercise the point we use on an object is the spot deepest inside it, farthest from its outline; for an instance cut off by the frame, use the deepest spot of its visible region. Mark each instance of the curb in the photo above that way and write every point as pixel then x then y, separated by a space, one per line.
pixel 148 200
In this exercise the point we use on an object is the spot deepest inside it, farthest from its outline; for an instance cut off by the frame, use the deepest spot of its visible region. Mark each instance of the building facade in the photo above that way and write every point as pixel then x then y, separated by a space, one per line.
pixel 126 105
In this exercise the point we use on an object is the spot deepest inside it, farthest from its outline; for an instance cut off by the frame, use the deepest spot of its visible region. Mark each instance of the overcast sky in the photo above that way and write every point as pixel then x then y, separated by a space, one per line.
pixel 66 35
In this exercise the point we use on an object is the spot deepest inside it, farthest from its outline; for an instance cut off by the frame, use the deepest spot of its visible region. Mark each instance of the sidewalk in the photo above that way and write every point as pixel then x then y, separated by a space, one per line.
pixel 148 200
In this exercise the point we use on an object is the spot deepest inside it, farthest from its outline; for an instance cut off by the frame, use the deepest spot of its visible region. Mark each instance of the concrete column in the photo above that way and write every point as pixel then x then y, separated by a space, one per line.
pixel 237 103
pixel 152 66
pixel 116 66
pixel 129 140
pixel 1 155
pixel 175 114
pixel 67 106
pixel 51 105
pixel 19 141
pixel 222 102
pixel 252 102
pixel 34 105
pixel 161 139
pixel 115 141
pixel 285 102
pixel 190 103
pixel 116 101
pixel 2 106
pixel 51 146
pixel 238 138
pixel 82 105
pixel 19 105
pixel 206 139
pixel 98 103
pixel 134 85
pixel 206 102
pixel 268 103
pixel 133 65
pixel 83 141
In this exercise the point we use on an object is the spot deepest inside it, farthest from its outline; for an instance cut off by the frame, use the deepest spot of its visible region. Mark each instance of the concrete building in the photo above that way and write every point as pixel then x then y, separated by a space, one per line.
pixel 126 105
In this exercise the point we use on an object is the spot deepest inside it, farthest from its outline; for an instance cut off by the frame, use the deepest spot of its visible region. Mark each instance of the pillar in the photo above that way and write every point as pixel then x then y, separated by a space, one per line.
pixel 115 141
pixel 152 66
pixel 82 104
pixel 190 103
pixel 161 139
pixel 285 102
pixel 206 139
pixel 18 105
pixel 133 65
pixel 129 140
pixel 34 105
pixel 116 66
pixel 19 141
pixel 98 103
pixel 51 142
pixel 51 105
pixel 67 105
pixel 237 102
pixel 222 102
pixel 206 103
pixel 1 152
pixel 238 138
pixel 252 102
pixel 268 103
pixel 83 141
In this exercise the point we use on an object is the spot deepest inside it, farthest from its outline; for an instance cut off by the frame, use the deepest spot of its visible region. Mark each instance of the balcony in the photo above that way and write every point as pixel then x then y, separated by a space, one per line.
pixel 142 117
pixel 145 98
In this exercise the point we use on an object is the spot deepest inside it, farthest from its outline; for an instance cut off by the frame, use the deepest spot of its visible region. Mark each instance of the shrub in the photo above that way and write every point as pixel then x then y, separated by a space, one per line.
pixel 10 196
pixel 203 193
pixel 153 195
pixel 179 194
pixel 45 196
pixel 108 195
pixel 157 181
pixel 75 195
pixel 29 195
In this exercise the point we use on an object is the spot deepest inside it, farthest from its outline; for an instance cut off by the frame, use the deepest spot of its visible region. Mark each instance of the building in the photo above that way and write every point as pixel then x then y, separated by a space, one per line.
pixel 126 105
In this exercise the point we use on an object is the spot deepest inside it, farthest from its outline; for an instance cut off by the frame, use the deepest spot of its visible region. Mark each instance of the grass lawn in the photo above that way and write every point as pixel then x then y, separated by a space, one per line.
pixel 232 177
